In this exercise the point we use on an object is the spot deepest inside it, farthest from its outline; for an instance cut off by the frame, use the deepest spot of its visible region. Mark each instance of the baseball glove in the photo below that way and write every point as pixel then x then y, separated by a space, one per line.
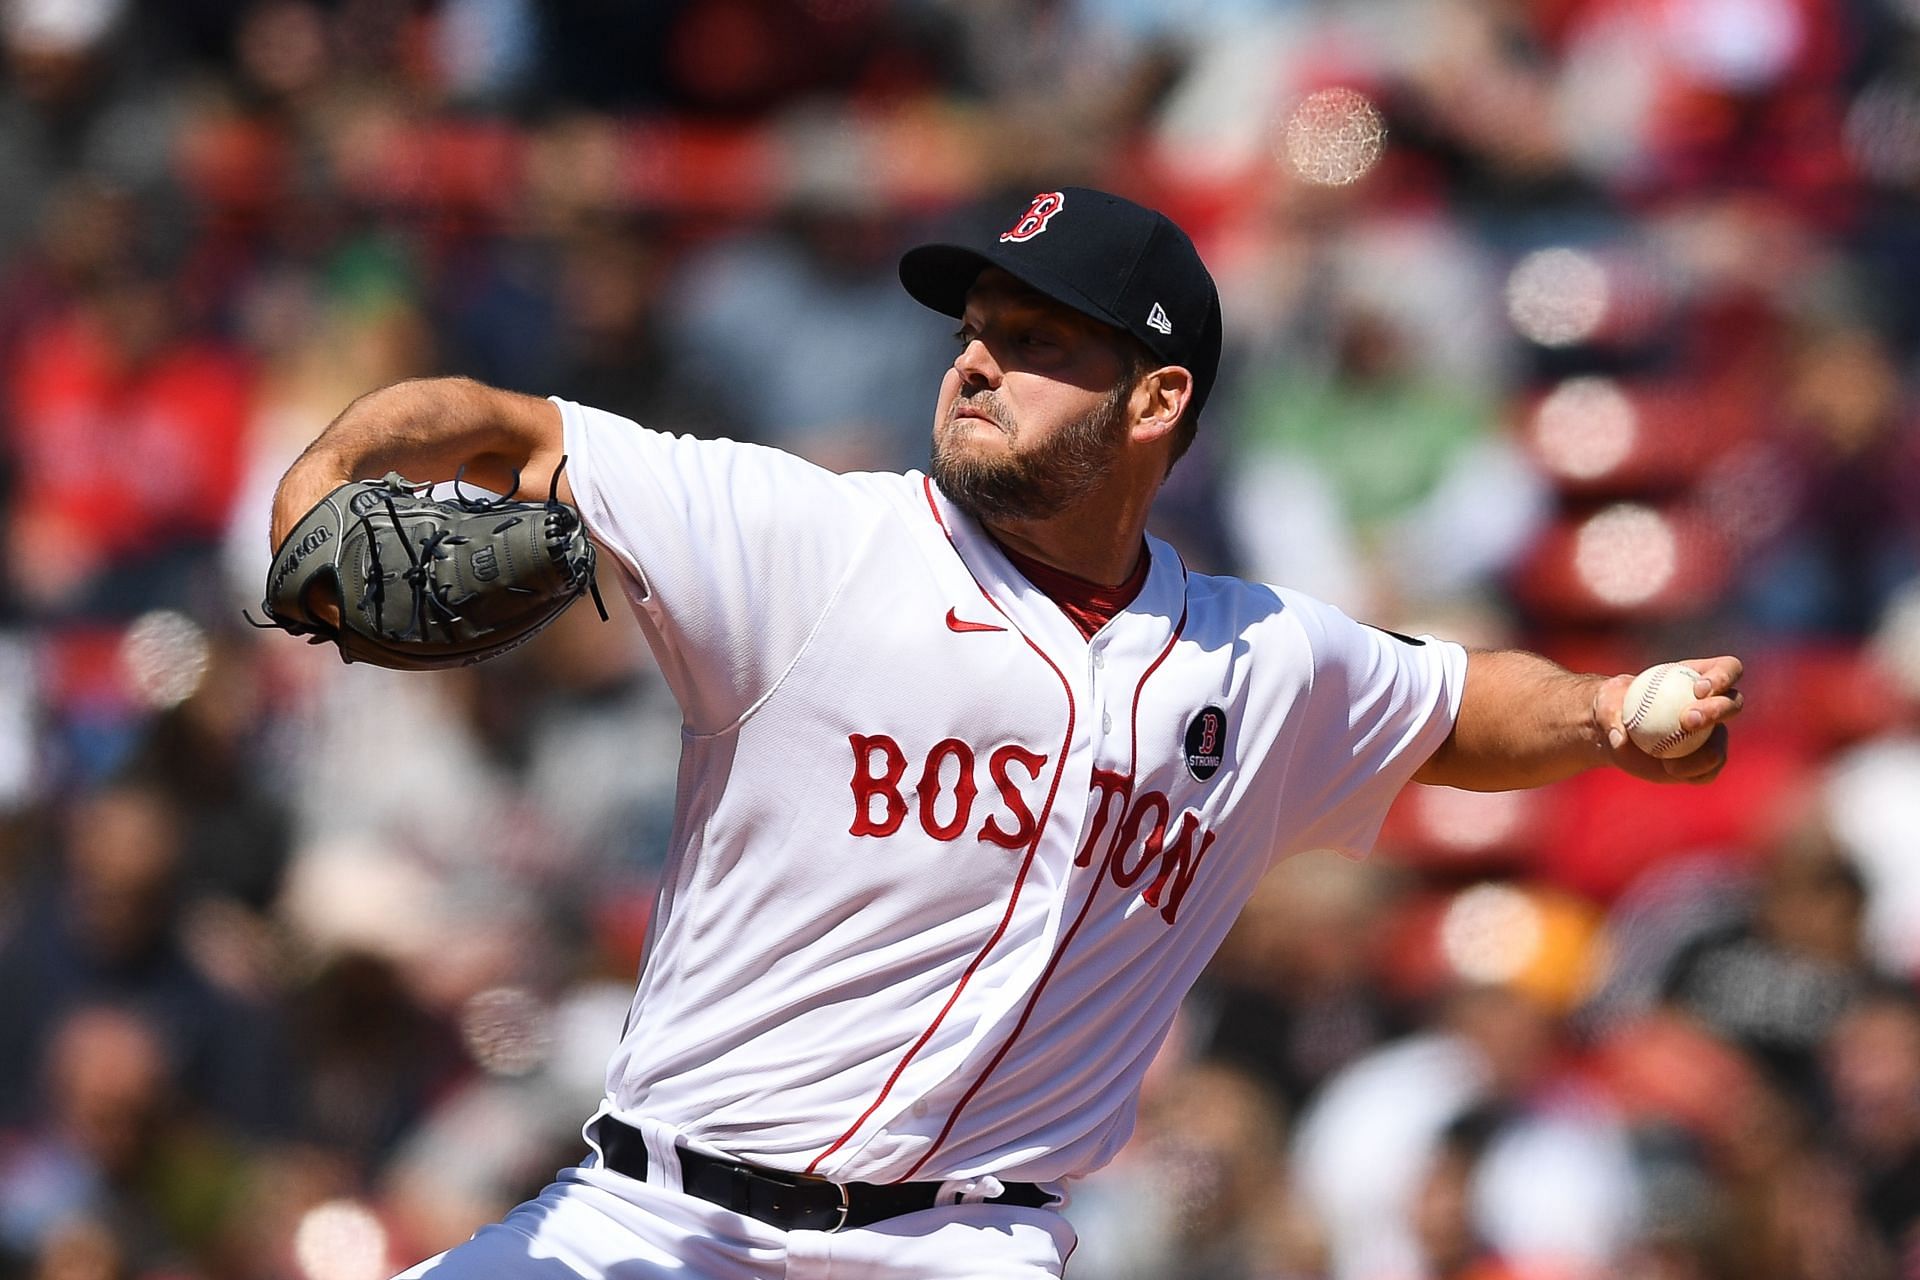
pixel 425 582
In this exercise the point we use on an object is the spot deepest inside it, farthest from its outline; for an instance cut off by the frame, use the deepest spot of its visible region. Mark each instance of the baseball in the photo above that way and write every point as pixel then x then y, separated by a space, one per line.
pixel 1656 700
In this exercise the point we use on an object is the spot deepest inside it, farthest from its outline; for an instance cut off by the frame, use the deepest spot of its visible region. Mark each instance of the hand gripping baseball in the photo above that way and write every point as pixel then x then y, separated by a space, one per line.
pixel 422 582
pixel 1716 701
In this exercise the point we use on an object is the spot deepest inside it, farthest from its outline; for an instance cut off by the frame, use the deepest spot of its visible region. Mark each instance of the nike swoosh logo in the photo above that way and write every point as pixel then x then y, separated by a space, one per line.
pixel 956 623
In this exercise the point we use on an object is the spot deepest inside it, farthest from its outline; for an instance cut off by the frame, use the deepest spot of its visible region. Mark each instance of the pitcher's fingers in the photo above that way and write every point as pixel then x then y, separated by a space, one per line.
pixel 1718 675
pixel 1703 765
pixel 1718 709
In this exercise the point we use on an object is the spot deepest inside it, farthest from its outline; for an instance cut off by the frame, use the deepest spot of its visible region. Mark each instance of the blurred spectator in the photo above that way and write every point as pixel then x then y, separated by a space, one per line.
pixel 104 926
pixel 1367 468
pixel 109 1169
pixel 1872 1078
pixel 77 97
pixel 801 334
pixel 614 337
pixel 207 753
pixel 1200 1191
pixel 555 751
pixel 1777 981
pixel 1844 529
pixel 1451 1244
pixel 1553 1189
pixel 370 1058
pixel 127 439
pixel 1294 993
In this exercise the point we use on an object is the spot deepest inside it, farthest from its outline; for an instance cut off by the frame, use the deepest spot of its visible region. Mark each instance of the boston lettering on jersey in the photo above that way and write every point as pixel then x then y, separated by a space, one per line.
pixel 879 766
pixel 1139 843
pixel 1128 831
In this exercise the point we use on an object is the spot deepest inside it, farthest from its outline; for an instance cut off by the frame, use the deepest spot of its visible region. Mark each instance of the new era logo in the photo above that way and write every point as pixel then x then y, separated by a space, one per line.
pixel 1157 319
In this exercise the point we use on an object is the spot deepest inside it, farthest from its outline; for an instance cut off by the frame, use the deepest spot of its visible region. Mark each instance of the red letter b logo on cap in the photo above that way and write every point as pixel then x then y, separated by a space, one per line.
pixel 1035 219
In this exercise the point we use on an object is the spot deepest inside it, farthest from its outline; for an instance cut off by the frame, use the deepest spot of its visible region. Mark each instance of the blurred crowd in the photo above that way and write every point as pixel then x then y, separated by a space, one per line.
pixel 1588 325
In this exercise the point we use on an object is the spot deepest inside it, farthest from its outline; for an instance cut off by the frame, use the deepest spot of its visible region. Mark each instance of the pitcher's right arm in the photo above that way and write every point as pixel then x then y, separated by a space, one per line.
pixel 428 429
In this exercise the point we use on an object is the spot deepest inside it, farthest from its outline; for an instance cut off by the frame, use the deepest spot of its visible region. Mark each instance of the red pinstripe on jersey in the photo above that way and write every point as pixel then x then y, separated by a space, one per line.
pixel 1066 940
pixel 1019 881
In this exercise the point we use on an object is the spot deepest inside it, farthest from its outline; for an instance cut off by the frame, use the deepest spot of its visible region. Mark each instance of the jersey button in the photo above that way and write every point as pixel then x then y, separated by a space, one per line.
pixel 1099 660
pixel 1106 723
pixel 920 1107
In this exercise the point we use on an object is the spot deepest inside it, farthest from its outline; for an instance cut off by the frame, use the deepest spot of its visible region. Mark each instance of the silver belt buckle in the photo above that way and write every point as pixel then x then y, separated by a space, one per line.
pixel 846 1207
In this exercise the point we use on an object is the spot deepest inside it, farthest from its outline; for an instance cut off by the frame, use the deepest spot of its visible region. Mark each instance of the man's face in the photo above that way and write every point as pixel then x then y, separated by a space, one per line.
pixel 1033 413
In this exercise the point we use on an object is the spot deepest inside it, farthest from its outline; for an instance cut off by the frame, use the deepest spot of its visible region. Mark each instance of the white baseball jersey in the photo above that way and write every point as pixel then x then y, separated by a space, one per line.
pixel 943 868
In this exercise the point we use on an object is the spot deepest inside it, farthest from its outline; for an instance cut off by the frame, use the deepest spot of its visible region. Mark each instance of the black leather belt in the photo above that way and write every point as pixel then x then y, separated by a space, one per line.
pixel 790 1201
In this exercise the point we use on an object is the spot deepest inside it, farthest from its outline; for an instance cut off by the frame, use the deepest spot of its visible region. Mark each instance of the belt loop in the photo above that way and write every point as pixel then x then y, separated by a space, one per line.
pixel 590 1130
pixel 663 1155
pixel 978 1190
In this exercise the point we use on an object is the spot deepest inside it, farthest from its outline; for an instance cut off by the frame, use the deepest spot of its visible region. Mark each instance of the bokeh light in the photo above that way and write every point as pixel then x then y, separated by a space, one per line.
pixel 1557 297
pixel 506 1030
pixel 1469 822
pixel 1332 138
pixel 19 749
pixel 1490 933
pixel 57 26
pixel 1627 554
pixel 1735 45
pixel 164 655
pixel 364 897
pixel 1896 642
pixel 1585 428
pixel 341 1240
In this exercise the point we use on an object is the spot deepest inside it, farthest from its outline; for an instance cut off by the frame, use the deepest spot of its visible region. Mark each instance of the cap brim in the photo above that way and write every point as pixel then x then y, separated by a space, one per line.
pixel 939 275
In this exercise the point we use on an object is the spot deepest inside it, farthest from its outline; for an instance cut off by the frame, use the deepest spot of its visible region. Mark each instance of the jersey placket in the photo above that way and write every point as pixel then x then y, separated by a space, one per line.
pixel 1103 675
pixel 1096 673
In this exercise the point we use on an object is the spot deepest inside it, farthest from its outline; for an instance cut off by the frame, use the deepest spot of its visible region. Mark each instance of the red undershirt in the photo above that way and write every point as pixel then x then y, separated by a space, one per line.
pixel 1090 605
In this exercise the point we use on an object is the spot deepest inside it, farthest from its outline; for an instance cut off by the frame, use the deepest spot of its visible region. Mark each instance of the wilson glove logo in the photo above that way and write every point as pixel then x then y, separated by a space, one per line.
pixel 317 538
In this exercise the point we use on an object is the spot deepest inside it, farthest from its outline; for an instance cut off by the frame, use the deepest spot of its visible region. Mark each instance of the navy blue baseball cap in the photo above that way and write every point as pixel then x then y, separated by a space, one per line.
pixel 1121 263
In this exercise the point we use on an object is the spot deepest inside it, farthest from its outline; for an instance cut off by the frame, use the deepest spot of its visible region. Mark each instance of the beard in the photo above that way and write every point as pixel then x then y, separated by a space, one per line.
pixel 1035 485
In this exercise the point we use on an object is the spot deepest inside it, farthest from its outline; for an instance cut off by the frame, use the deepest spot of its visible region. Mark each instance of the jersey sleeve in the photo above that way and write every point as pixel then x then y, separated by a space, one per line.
pixel 732 552
pixel 1377 706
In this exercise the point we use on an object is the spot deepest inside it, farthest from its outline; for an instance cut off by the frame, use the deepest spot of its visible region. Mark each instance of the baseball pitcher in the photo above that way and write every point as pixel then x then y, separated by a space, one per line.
pixel 975 774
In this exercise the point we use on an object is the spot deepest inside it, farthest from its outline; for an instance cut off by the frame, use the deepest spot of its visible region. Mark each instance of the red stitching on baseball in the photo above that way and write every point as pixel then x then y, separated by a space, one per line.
pixel 1648 694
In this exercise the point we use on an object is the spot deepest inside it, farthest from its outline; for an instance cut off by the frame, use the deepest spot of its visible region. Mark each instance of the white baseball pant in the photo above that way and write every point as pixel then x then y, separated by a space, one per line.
pixel 595 1223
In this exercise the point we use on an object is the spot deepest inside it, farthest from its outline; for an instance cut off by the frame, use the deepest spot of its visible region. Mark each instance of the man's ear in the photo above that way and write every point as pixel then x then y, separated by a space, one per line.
pixel 1158 400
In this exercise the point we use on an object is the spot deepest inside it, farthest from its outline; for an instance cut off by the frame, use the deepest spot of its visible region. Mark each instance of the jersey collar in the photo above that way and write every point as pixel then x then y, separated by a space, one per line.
pixel 1144 625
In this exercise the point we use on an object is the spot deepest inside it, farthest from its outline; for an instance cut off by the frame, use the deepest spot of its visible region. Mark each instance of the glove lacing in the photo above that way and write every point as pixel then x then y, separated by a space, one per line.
pixel 431 596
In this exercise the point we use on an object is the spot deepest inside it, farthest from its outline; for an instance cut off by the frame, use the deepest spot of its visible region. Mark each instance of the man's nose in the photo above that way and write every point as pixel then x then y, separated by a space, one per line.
pixel 976 365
